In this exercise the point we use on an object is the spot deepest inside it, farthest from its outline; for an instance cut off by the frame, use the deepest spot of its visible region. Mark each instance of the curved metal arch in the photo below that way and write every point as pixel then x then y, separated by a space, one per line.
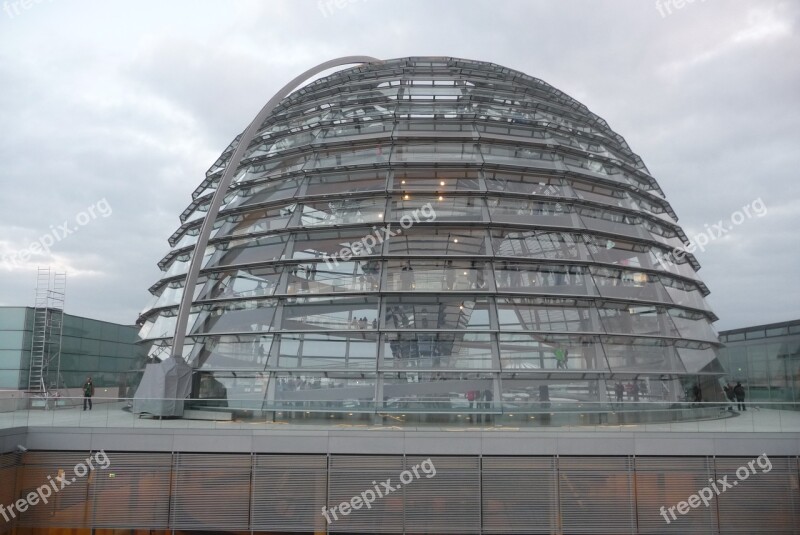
pixel 225 182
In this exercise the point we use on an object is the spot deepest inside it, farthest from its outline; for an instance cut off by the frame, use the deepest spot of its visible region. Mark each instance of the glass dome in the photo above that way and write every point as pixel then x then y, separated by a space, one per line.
pixel 435 235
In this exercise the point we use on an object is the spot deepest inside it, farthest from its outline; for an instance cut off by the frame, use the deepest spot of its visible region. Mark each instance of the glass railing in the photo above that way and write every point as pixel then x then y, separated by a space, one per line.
pixel 442 412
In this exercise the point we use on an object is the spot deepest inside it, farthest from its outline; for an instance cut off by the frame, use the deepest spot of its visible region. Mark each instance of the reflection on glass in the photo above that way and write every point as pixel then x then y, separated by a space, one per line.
pixel 542 278
pixel 438 241
pixel 645 354
pixel 307 313
pixel 245 351
pixel 437 391
pixel 550 352
pixel 545 315
pixel 420 275
pixel 235 317
pixel 347 350
pixel 433 350
pixel 253 282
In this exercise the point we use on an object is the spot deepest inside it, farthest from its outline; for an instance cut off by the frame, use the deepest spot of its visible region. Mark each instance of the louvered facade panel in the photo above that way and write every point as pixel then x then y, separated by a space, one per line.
pixel 289 492
pixel 70 505
pixel 211 492
pixel 519 495
pixel 352 475
pixel 448 502
pixel 596 495
pixel 133 491
pixel 465 494
pixel 758 501
pixel 8 486
pixel 667 481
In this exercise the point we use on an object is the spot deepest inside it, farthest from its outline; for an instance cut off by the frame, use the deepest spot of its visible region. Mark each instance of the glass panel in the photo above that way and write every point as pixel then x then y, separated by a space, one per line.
pixel 438 241
pixel 684 294
pixel 439 180
pixel 442 208
pixel 550 352
pixel 356 128
pixel 621 318
pixel 253 282
pixel 179 266
pixel 418 110
pixel 433 391
pixel 581 164
pixel 629 284
pixel 325 390
pixel 543 278
pixel 308 313
pixel 693 325
pixel 543 213
pixel 171 295
pixel 407 127
pixel 341 350
pixel 248 250
pixel 695 360
pixel 521 182
pixel 335 246
pixel 623 253
pixel 518 155
pixel 245 389
pixel 535 394
pixel 463 350
pixel 371 155
pixel 543 314
pixel 346 211
pixel 188 238
pixel 199 212
pixel 436 153
pixel 231 352
pixel 262 193
pixel 163 326
pixel 235 317
pixel 601 193
pixel 512 129
pixel 613 222
pixel 271 147
pixel 641 354
pixel 539 244
pixel 778 331
pixel 274 167
pixel 346 181
pixel 445 312
pixel 256 221
pixel 435 276
pixel 330 277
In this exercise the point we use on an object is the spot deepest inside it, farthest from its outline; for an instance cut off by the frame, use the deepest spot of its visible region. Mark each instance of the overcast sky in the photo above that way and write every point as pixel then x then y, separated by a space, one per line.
pixel 123 106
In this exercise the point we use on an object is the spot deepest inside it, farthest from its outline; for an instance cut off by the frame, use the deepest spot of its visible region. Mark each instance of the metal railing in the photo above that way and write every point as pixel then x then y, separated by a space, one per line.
pixel 443 412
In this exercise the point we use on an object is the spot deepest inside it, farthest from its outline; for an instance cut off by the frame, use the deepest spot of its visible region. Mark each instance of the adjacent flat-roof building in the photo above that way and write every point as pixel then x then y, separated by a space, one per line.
pixel 765 358
pixel 107 351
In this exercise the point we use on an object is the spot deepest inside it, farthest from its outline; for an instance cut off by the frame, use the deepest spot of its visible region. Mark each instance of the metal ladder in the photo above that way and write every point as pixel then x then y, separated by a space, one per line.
pixel 48 324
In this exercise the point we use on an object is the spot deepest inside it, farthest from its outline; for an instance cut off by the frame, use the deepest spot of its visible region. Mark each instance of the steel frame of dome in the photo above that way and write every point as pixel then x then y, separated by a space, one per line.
pixel 541 273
